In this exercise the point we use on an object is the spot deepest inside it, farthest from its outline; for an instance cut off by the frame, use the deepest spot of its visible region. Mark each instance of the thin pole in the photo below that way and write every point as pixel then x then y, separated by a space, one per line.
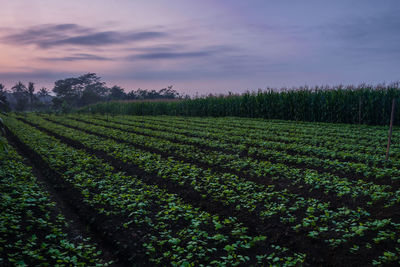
pixel 390 130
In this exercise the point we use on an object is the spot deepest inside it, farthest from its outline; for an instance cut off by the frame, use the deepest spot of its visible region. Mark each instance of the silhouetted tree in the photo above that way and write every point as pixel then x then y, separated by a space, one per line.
pixel 43 92
pixel 117 93
pixel 31 90
pixel 20 92
pixel 57 103
pixel 4 105
pixel 92 83
pixel 89 97
pixel 165 93
pixel 19 87
pixel 68 89
pixel 131 95
pixel 85 89
pixel 168 93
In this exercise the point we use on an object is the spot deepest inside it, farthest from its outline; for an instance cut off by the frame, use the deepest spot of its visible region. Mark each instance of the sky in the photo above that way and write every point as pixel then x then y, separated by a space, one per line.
pixel 201 47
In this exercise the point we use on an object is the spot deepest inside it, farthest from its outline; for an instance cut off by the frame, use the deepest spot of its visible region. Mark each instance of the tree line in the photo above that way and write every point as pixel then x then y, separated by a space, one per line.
pixel 73 92
pixel 22 97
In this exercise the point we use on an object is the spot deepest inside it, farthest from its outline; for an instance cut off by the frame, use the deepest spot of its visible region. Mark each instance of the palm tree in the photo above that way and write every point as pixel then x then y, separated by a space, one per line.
pixel 19 87
pixel 31 90
pixel 43 92
pixel 20 92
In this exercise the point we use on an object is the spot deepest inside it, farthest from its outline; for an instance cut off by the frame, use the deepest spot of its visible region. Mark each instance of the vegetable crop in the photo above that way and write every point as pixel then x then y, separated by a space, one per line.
pixel 227 191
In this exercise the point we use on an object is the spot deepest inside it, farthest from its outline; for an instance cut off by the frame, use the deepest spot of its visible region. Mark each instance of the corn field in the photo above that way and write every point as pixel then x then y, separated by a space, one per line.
pixel 363 104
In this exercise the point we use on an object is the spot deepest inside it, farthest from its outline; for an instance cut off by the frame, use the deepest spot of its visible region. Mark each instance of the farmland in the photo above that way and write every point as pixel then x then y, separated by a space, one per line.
pixel 205 191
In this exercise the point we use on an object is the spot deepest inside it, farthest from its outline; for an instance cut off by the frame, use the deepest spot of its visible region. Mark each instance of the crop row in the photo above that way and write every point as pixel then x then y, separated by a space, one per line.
pixel 350 134
pixel 348 164
pixel 315 144
pixel 246 166
pixel 239 144
pixel 342 226
pixel 32 230
pixel 365 138
pixel 288 127
pixel 170 230
pixel 291 154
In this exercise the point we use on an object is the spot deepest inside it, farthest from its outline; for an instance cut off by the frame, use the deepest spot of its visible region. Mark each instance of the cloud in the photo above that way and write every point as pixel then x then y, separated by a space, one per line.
pixel 34 74
pixel 103 38
pixel 171 52
pixel 171 55
pixel 77 57
pixel 50 35
pixel 41 34
pixel 157 48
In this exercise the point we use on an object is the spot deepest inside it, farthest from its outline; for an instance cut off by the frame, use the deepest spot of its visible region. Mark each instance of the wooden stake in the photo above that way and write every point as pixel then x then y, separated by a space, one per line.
pixel 390 130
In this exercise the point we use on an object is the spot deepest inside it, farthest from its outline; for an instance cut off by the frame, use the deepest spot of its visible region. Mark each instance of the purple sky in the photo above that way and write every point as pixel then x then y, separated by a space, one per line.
pixel 207 46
